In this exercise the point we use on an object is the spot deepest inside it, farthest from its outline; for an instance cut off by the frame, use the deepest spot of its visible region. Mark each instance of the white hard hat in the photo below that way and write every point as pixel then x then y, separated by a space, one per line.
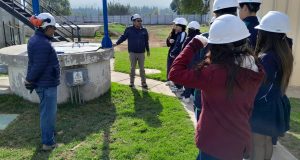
pixel 275 21
pixel 226 29
pixel 194 25
pixel 174 21
pixel 49 20
pixel 181 21
pixel 250 1
pixel 135 16
pixel 221 4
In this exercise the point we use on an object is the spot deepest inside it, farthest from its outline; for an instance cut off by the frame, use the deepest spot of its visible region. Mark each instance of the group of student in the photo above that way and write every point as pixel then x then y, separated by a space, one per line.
pixel 240 71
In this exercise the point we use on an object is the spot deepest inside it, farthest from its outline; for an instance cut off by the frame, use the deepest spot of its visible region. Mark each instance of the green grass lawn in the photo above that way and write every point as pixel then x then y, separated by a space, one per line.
pixel 157 60
pixel 291 140
pixel 114 30
pixel 123 124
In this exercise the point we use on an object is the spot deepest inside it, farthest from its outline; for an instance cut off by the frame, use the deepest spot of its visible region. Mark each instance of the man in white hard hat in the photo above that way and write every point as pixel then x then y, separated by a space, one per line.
pixel 247 12
pixel 43 75
pixel 138 42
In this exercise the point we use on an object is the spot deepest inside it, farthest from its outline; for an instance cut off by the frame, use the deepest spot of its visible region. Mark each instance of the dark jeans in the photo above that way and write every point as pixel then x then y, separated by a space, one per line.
pixel 169 64
pixel 48 108
pixel 204 156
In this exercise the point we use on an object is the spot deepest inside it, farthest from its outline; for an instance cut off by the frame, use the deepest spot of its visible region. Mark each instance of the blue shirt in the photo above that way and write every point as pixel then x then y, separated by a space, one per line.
pixel 271 111
pixel 252 22
pixel 138 39
pixel 43 66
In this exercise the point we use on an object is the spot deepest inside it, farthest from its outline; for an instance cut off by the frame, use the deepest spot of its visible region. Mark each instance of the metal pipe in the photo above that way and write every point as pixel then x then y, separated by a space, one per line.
pixel 71 94
pixel 79 97
pixel 106 41
pixel 75 96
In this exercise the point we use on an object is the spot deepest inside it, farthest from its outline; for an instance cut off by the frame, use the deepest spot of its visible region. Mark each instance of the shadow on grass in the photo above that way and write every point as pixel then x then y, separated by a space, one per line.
pixel 147 108
pixel 75 123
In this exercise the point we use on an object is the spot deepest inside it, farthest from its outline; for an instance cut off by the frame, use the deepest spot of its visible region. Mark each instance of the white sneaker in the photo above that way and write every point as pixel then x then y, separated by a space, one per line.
pixel 173 89
pixel 168 83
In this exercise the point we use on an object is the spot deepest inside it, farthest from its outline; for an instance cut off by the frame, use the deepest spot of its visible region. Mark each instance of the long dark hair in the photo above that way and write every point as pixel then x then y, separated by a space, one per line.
pixel 278 42
pixel 231 56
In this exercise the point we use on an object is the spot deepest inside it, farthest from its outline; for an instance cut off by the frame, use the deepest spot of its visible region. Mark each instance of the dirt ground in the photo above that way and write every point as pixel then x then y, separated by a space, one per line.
pixel 155 40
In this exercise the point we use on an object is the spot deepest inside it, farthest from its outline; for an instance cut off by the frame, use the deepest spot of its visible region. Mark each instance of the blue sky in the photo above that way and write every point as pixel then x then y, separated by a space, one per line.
pixel 88 3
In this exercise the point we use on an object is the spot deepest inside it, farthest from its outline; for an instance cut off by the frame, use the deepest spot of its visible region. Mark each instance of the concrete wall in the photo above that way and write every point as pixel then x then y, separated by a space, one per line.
pixel 96 62
pixel 292 8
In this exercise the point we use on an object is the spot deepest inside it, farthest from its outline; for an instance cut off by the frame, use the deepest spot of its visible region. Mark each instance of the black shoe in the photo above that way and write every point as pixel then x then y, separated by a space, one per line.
pixel 144 85
pixel 131 85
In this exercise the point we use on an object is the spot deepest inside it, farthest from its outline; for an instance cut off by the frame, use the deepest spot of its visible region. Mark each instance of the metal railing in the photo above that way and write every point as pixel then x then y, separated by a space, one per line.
pixel 60 18
pixel 67 29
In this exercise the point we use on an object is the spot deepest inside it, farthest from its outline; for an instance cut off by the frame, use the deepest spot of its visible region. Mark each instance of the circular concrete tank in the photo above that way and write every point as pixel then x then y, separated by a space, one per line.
pixel 71 56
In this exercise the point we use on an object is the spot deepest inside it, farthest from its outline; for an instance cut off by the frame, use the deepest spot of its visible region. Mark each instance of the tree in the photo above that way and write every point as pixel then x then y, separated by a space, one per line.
pixel 175 6
pixel 117 9
pixel 188 7
pixel 61 6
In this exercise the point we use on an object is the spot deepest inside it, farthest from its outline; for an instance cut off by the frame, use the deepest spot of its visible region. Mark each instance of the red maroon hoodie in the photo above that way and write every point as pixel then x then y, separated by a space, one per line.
pixel 223 130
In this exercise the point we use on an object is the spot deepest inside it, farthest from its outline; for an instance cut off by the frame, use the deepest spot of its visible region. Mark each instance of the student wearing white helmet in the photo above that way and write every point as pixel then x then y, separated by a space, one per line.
pixel 271 112
pixel 221 7
pixel 193 30
pixel 181 24
pixel 43 75
pixel 170 43
pixel 247 12
pixel 138 42
pixel 229 81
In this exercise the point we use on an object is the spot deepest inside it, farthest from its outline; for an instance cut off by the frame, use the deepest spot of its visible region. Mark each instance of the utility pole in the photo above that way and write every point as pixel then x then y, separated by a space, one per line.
pixel 36 7
pixel 106 41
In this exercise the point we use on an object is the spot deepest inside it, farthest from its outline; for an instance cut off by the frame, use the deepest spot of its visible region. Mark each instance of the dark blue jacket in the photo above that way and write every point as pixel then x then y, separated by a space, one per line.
pixel 271 111
pixel 138 39
pixel 43 66
pixel 178 44
pixel 197 93
pixel 252 22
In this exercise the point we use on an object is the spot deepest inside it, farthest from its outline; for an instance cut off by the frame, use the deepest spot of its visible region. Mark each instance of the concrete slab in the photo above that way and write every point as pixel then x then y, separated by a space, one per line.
pixel 118 77
pixel 4 82
pixel 148 71
pixel 163 89
pixel 281 153
pixel 6 119
pixel 5 90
